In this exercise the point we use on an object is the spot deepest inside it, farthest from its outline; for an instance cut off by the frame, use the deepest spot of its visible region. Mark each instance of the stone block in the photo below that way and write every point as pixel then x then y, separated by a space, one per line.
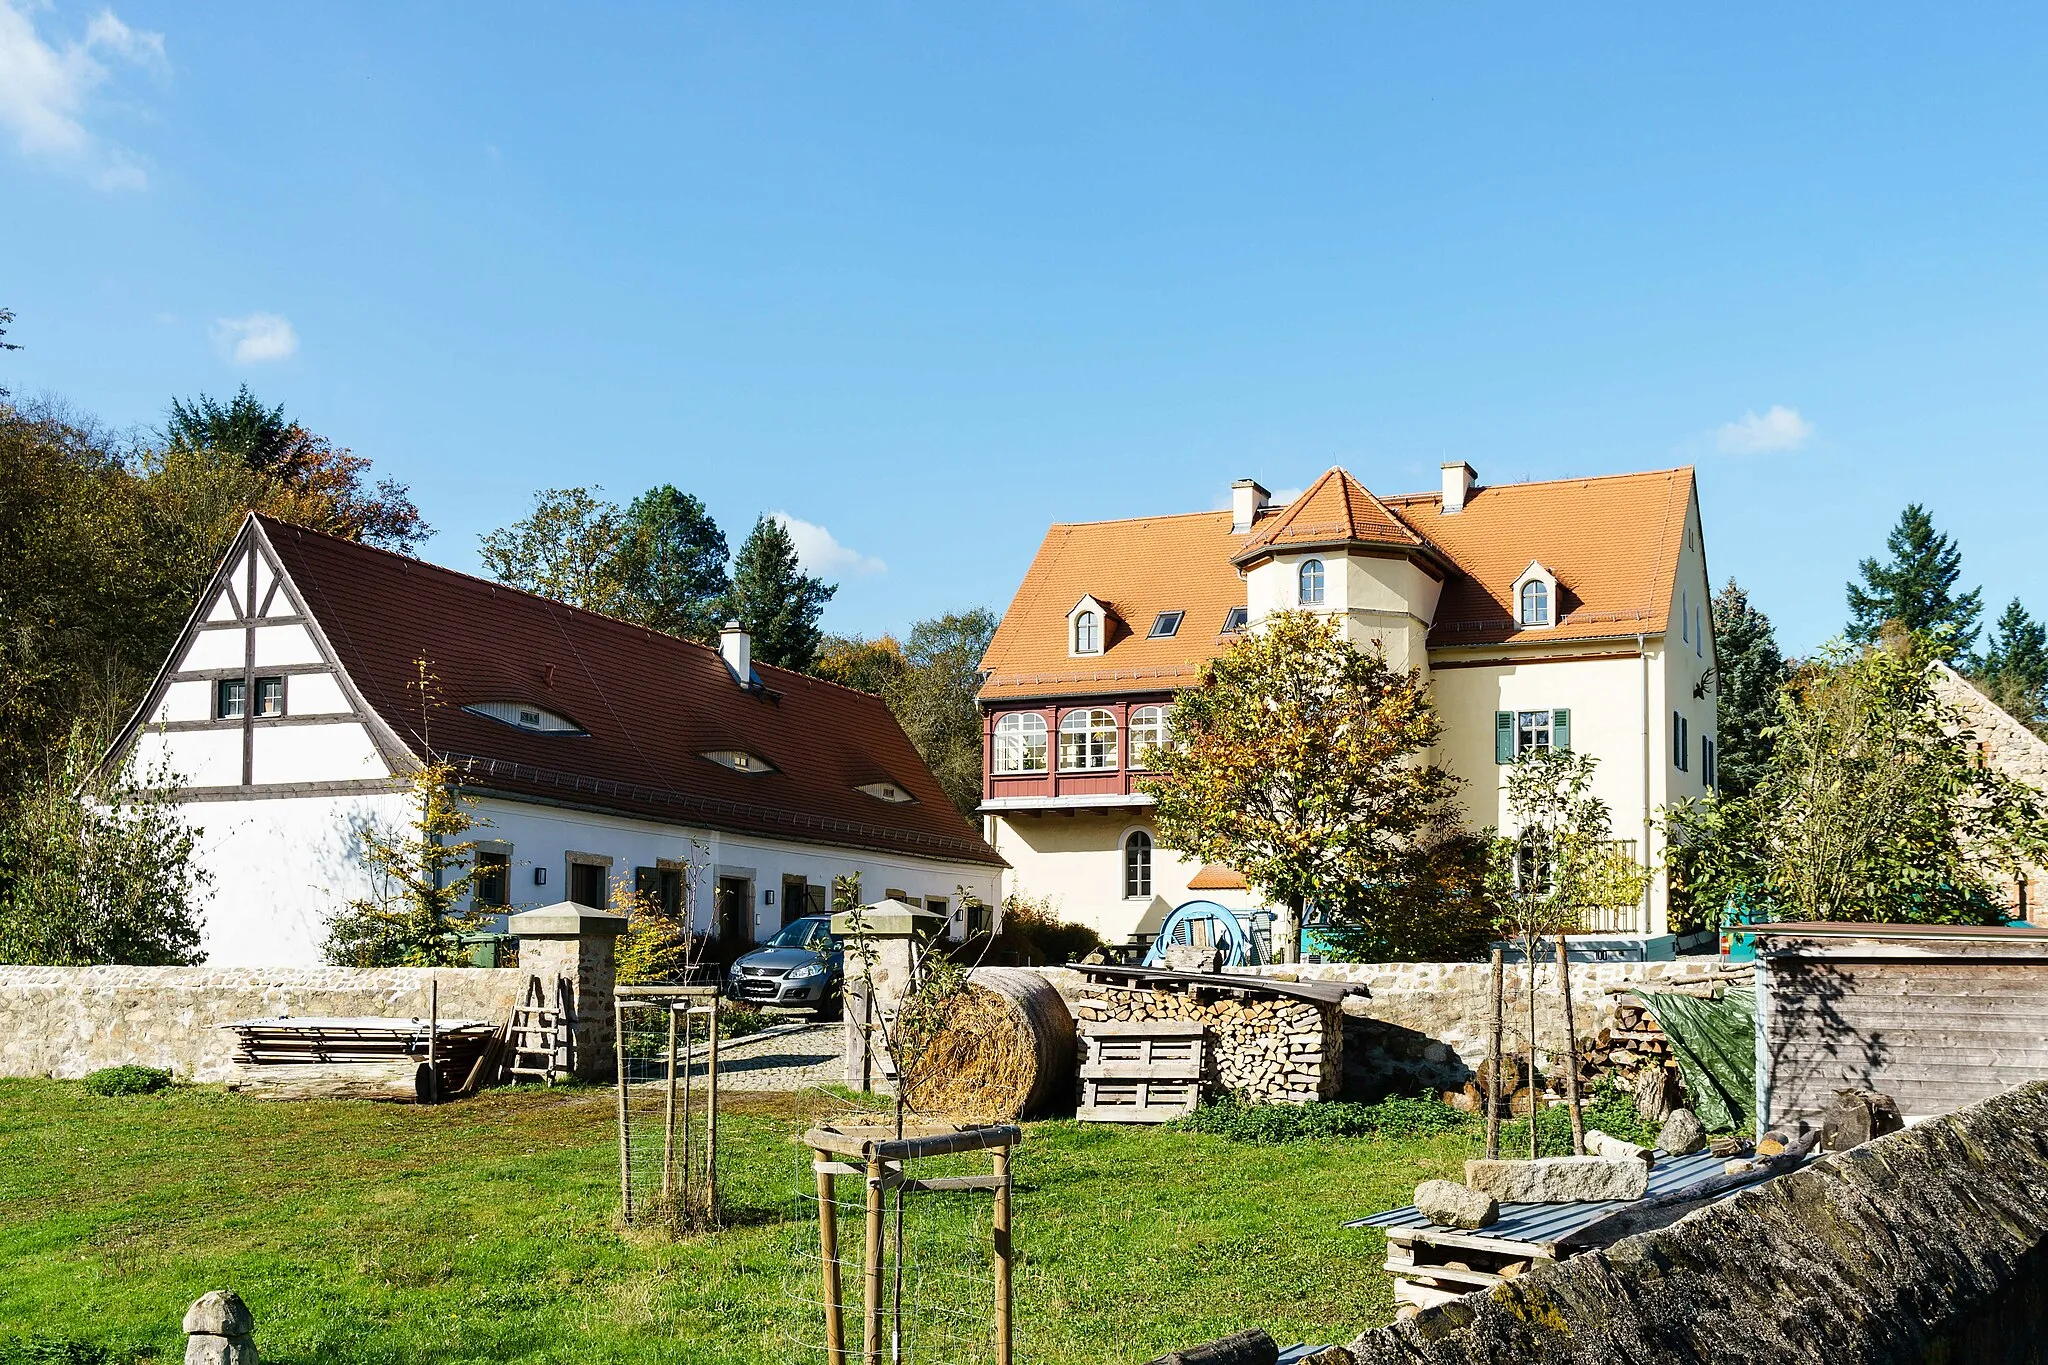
pixel 1558 1179
pixel 220 1313
pixel 203 1348
pixel 1451 1205
pixel 1606 1144
pixel 1682 1134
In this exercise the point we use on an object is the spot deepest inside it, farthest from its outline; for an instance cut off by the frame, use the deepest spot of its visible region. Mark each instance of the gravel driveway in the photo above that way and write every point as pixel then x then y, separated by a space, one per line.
pixel 787 1057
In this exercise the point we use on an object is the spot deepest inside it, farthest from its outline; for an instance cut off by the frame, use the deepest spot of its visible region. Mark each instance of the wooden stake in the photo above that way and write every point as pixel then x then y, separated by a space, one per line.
pixel 434 1037
pixel 711 1115
pixel 1571 1050
pixel 828 1250
pixel 1535 1095
pixel 625 1150
pixel 871 1297
pixel 668 1134
pixel 1004 1263
pixel 1493 1060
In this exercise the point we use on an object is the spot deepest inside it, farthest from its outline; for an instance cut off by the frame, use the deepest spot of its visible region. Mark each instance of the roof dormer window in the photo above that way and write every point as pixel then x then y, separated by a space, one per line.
pixel 1166 625
pixel 1535 598
pixel 740 761
pixel 1234 619
pixel 526 716
pixel 1087 633
pixel 887 791
pixel 1088 626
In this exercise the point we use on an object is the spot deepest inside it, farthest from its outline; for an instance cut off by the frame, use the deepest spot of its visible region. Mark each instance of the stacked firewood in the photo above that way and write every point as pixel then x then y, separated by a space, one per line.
pixel 1268 1049
pixel 1628 1049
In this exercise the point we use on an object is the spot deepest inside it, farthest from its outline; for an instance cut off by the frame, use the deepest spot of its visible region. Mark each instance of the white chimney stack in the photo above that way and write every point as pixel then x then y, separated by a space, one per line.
pixel 736 647
pixel 1458 480
pixel 1246 498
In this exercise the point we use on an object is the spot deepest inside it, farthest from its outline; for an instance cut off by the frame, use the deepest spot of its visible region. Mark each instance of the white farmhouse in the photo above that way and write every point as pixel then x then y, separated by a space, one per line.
pixel 601 753
pixel 1571 613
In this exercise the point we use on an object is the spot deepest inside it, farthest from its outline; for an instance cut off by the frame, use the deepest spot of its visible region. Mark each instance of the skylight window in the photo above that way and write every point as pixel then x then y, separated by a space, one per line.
pixel 887 791
pixel 1166 624
pixel 1234 619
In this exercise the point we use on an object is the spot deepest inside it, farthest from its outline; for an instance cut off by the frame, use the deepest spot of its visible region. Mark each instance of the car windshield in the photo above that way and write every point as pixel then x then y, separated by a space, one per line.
pixel 799 934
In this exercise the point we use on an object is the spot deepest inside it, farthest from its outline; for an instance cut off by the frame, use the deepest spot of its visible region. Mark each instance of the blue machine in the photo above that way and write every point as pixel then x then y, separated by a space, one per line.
pixel 1243 937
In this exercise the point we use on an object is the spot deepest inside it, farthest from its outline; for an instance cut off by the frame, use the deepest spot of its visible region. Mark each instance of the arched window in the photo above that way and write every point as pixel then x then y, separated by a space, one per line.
pixel 1312 583
pixel 1020 743
pixel 1087 740
pixel 1087 634
pixel 1535 603
pixel 1149 730
pixel 1138 865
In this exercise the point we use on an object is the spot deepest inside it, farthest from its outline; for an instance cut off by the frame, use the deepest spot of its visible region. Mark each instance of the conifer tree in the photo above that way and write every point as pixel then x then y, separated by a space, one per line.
pixel 1916 589
pixel 670 564
pixel 1751 671
pixel 2013 670
pixel 775 600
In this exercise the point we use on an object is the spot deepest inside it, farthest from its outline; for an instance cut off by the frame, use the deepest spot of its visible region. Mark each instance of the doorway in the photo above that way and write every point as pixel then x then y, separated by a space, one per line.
pixel 735 913
pixel 586 885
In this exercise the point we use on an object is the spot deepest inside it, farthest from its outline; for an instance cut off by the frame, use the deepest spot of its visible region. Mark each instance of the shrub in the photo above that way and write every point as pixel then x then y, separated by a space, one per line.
pixel 55 1350
pixel 1609 1108
pixel 1395 1117
pixel 127 1080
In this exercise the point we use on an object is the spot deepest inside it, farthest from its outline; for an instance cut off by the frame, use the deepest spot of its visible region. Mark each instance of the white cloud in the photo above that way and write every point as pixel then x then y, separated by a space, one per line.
pixel 820 551
pixel 45 89
pixel 1781 428
pixel 257 338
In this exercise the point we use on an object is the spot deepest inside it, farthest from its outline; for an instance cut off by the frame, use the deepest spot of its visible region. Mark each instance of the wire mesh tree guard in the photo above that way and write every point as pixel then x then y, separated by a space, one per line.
pixel 667 1041
pixel 953 1316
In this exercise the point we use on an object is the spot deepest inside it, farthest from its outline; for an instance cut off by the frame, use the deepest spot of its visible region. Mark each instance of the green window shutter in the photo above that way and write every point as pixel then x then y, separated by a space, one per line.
pixel 1503 736
pixel 1561 729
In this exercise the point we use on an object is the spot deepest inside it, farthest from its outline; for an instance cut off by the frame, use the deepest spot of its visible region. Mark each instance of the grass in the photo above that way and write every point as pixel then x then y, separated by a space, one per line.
pixel 484 1230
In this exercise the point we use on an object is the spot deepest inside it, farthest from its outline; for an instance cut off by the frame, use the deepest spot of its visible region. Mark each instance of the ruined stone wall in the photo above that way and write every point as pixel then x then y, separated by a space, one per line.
pixel 2010 748
pixel 1923 1246
pixel 67 1021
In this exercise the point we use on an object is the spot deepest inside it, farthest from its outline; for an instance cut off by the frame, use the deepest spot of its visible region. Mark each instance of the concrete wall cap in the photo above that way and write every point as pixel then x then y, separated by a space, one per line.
pixel 889 919
pixel 566 920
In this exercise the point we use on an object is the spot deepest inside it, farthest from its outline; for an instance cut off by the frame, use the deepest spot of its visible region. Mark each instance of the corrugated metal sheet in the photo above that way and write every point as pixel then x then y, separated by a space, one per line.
pixel 1541 1223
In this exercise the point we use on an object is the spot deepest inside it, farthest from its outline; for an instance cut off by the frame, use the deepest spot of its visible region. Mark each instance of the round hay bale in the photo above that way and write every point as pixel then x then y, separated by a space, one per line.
pixel 1005 1052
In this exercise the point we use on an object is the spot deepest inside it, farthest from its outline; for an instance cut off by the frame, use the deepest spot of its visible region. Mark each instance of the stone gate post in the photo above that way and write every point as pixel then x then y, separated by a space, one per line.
pixel 575 945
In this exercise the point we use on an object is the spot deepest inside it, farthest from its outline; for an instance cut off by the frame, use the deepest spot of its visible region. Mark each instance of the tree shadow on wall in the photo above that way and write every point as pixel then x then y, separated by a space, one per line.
pixel 1806 1010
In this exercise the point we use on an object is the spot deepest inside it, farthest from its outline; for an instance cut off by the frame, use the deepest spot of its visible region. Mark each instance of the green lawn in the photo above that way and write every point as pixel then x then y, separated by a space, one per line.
pixel 483 1230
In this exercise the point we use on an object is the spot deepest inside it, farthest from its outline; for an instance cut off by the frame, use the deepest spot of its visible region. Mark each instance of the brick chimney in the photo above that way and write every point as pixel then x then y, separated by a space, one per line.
pixel 1246 498
pixel 1458 481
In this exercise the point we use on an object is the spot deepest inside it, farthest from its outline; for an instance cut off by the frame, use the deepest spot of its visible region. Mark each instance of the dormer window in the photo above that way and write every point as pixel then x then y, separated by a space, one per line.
pixel 887 791
pixel 1312 583
pixel 526 716
pixel 1535 598
pixel 1087 633
pixel 1166 625
pixel 740 761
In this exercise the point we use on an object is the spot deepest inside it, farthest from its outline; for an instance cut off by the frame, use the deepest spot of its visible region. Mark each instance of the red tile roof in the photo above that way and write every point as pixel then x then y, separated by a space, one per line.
pixel 1336 510
pixel 652 705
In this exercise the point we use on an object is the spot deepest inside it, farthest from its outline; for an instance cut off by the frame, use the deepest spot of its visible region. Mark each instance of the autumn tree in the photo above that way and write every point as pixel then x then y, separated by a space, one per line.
pixel 566 548
pixel 775 600
pixel 1915 590
pixel 934 699
pixel 1296 759
pixel 863 664
pixel 1559 859
pixel 6 318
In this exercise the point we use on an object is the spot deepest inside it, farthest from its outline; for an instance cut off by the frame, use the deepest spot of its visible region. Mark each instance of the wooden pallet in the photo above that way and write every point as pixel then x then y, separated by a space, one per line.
pixel 1145 1071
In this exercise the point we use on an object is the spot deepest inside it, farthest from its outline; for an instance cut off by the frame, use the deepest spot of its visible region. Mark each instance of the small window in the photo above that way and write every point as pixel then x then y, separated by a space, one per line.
pixel 981 918
pixel 1087 633
pixel 1312 583
pixel 1699 631
pixel 492 884
pixel 525 716
pixel 740 761
pixel 1234 619
pixel 270 696
pixel 1684 616
pixel 1087 741
pixel 1535 603
pixel 1166 624
pixel 1532 731
pixel 231 699
pixel 887 791
pixel 1710 775
pixel 586 885
pixel 1148 732
pixel 1020 743
pixel 1679 742
pixel 1138 865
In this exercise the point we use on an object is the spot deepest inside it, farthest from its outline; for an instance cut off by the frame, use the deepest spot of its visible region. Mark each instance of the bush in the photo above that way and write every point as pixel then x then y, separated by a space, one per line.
pixel 1609 1108
pixel 1396 1117
pixel 127 1080
pixel 55 1350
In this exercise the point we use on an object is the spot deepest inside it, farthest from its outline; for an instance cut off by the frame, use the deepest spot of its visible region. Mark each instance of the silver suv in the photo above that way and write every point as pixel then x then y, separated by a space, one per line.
pixel 800 967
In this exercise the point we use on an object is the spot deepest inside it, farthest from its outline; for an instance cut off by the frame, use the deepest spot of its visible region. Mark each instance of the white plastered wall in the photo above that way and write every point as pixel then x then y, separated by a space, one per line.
pixel 1382 600
pixel 1075 863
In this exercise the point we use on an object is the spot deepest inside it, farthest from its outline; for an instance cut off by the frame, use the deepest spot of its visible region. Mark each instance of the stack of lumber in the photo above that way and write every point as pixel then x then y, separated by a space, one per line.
pixel 1626 1049
pixel 358 1057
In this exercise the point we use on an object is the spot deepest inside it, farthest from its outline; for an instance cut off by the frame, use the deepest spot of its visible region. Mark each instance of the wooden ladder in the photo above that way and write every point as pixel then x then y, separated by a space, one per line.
pixel 539 1034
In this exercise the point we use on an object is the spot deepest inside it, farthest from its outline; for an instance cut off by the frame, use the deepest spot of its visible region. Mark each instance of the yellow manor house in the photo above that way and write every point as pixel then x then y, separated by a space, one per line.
pixel 1573 612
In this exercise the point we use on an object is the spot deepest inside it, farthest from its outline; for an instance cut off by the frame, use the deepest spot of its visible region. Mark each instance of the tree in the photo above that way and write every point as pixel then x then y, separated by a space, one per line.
pixel 263 439
pixel 6 317
pixel 865 665
pixel 670 564
pixel 775 601
pixel 1752 669
pixel 1560 860
pixel 567 548
pixel 96 867
pixel 1916 590
pixel 933 699
pixel 1295 759
pixel 2013 670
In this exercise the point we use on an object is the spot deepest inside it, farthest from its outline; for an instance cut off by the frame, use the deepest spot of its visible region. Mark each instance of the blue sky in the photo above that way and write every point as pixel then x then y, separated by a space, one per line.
pixel 932 278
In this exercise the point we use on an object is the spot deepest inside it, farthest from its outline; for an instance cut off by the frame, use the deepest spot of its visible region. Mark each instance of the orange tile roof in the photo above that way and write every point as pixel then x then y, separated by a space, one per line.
pixel 1612 541
pixel 1216 877
pixel 1336 510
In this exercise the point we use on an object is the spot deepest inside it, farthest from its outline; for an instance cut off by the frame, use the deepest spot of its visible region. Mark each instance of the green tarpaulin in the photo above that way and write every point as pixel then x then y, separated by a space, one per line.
pixel 1715 1043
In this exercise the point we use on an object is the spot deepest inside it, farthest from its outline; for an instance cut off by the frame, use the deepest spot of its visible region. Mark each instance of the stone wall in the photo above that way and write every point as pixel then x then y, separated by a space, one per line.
pixel 1927 1245
pixel 67 1021
pixel 2010 748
